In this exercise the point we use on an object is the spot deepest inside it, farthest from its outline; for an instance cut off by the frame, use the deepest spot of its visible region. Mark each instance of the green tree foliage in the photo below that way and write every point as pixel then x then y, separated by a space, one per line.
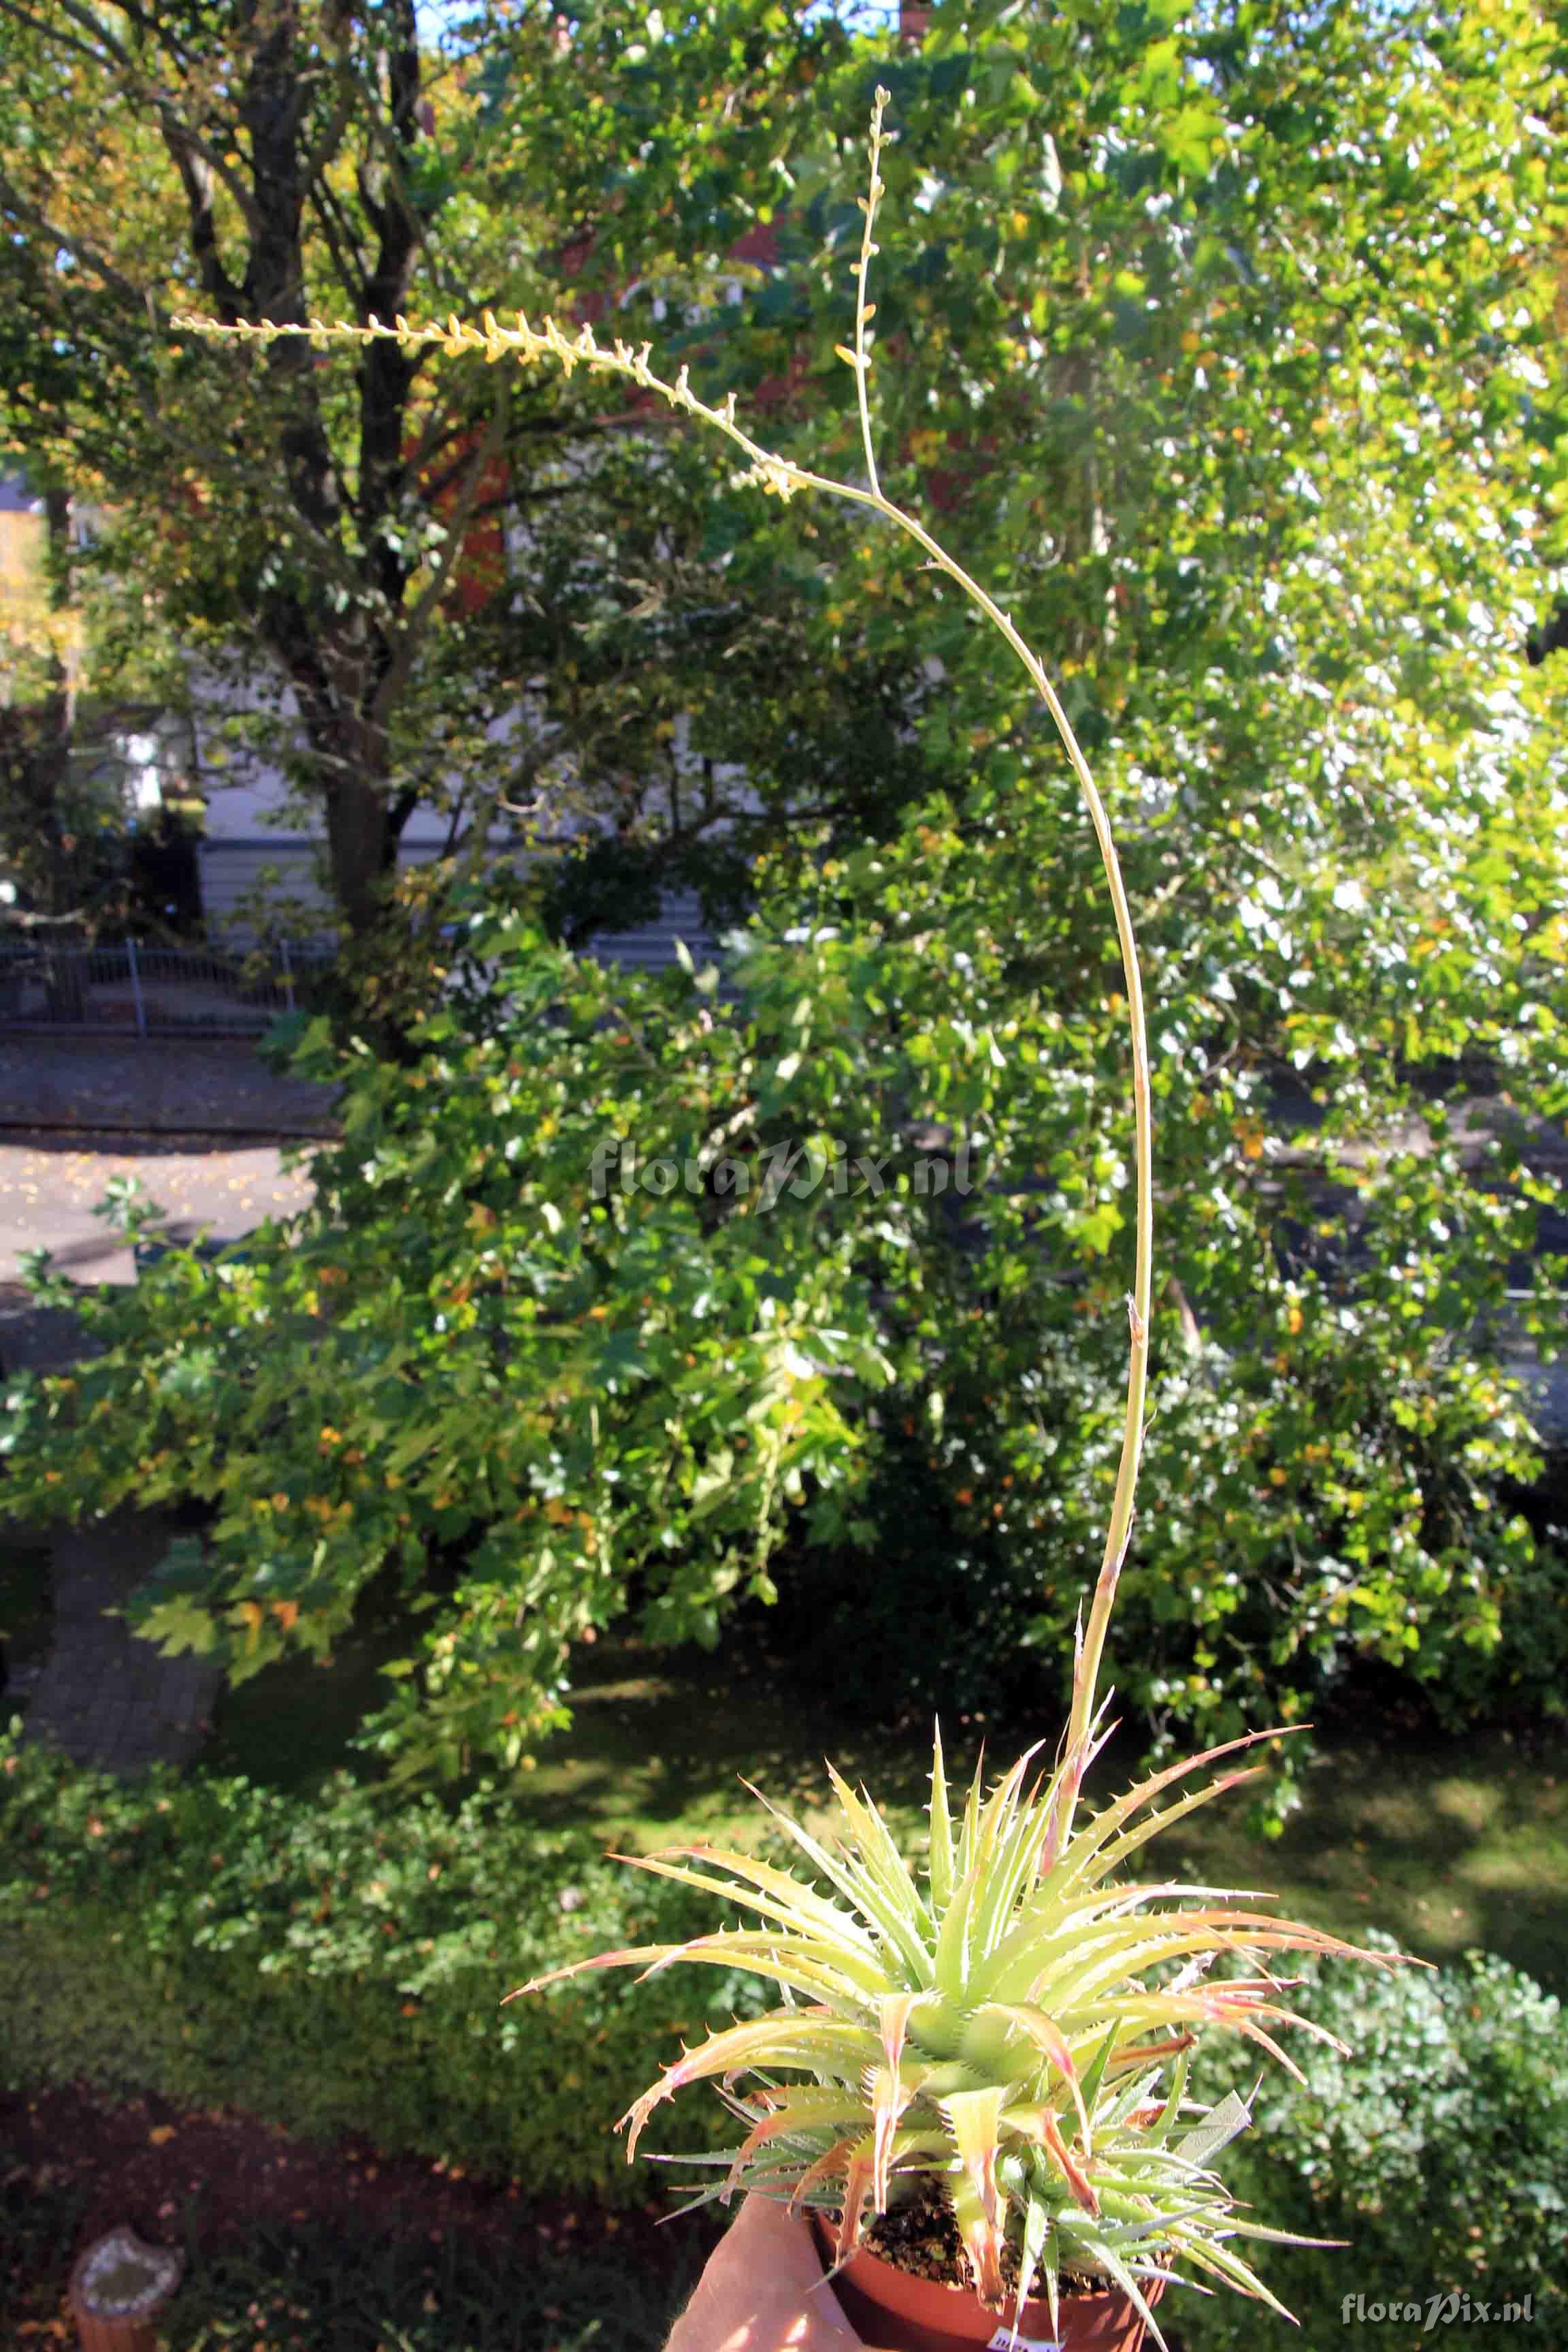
pixel 1265 467
pixel 52 851
pixel 446 1364
pixel 1227 341
pixel 343 552
pixel 66 861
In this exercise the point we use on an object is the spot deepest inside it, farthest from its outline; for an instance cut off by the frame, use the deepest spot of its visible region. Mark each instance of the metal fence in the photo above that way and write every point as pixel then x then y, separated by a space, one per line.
pixel 132 989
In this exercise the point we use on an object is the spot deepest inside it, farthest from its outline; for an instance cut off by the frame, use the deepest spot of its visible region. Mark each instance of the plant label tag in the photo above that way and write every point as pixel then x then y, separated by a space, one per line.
pixel 1004 2338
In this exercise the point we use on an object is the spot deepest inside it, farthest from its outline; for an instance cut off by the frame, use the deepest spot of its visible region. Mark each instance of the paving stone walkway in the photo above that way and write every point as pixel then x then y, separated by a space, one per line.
pixel 187 1118
pixel 152 1086
pixel 51 1187
pixel 104 1696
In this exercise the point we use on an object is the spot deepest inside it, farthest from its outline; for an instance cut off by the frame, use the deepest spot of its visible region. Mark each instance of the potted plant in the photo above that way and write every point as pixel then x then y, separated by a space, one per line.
pixel 976 2080
pixel 993 2127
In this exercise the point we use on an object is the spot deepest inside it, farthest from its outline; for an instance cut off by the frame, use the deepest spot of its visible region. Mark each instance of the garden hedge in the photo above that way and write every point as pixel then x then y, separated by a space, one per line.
pixel 333 1966
pixel 1436 2146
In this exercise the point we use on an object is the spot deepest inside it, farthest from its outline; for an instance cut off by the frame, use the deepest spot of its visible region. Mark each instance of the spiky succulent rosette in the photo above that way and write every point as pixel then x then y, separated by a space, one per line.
pixel 1016 2027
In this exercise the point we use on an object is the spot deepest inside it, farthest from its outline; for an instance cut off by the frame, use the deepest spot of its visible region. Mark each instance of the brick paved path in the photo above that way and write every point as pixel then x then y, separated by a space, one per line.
pixel 104 1696
pixel 152 1086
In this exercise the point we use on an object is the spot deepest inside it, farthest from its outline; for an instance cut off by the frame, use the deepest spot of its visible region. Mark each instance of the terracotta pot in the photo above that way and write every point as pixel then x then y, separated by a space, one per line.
pixel 118 2291
pixel 890 2307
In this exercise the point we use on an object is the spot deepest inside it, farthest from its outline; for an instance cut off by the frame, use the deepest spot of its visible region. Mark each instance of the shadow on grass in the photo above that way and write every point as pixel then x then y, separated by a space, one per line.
pixel 1445 1845
pixel 293 1722
pixel 663 1742
pixel 1448 1845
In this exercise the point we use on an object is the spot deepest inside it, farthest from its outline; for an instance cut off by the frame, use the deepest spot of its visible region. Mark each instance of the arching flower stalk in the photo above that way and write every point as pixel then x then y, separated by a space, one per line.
pixel 550 345
pixel 1018 2026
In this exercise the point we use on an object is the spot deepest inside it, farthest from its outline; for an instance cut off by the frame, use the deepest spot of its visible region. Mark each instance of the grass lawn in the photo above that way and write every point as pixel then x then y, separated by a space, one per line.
pixel 1444 1844
pixel 293 1721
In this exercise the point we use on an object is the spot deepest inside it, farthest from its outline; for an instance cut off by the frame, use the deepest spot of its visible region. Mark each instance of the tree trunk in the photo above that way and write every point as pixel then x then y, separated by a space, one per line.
pixel 361 844
pixel 57 716
pixel 339 660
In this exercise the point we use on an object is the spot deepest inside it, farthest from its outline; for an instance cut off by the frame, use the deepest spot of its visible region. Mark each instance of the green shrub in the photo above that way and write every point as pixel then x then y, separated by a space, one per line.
pixel 1438 2149
pixel 480 1380
pixel 333 1966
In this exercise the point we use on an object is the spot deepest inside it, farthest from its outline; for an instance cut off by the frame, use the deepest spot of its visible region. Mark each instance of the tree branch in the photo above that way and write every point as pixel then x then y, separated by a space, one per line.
pixel 72 241
pixel 402 661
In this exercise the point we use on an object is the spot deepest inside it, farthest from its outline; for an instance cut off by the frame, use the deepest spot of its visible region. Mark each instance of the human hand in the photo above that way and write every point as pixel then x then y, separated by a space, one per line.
pixel 763 2291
